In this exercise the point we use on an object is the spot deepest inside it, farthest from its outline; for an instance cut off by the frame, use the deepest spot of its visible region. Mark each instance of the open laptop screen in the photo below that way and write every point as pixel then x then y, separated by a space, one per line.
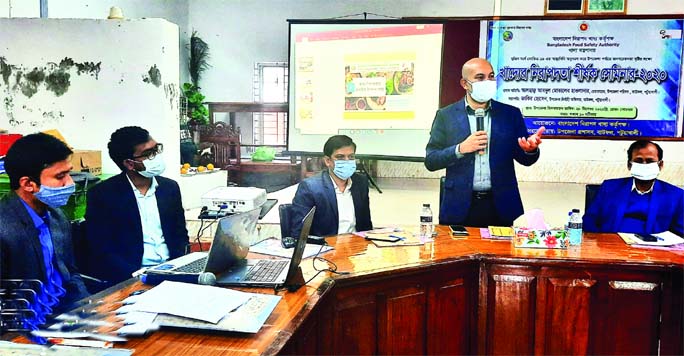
pixel 231 241
pixel 301 245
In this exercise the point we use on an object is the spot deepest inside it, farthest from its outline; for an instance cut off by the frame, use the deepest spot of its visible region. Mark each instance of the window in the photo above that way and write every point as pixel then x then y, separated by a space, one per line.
pixel 270 86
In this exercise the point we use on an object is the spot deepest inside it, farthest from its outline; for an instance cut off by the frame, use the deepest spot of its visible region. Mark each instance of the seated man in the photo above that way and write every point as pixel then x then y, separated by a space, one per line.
pixel 339 195
pixel 135 219
pixel 35 236
pixel 641 204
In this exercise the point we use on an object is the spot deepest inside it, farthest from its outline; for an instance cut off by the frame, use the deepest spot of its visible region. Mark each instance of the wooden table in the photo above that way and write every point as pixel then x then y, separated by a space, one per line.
pixel 463 296
pixel 291 168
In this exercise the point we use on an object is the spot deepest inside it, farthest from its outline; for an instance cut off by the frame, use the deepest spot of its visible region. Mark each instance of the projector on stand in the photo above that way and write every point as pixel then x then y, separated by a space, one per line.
pixel 223 201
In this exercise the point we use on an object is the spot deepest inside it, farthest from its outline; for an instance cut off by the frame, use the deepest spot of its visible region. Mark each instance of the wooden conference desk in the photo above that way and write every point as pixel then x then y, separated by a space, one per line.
pixel 466 296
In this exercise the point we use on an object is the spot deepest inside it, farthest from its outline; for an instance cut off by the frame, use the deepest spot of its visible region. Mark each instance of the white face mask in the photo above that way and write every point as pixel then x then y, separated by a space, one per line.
pixel 153 167
pixel 645 171
pixel 483 91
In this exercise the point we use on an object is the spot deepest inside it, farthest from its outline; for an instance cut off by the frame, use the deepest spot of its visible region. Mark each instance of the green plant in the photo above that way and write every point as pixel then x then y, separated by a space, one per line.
pixel 198 63
pixel 198 113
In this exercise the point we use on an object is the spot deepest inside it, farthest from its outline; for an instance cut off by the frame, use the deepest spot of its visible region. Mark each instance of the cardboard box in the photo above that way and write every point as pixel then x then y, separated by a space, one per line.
pixel 6 140
pixel 87 161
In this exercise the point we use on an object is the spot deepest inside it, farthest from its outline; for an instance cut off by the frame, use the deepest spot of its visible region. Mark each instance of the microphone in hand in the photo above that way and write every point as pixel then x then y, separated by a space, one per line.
pixel 479 119
pixel 204 278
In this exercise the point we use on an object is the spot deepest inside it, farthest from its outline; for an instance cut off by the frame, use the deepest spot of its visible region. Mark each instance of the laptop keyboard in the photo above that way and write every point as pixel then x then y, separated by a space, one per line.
pixel 196 266
pixel 265 270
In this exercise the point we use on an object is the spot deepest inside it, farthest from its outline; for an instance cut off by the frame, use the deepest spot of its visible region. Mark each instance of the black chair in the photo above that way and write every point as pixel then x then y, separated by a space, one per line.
pixel 284 211
pixel 81 251
pixel 589 194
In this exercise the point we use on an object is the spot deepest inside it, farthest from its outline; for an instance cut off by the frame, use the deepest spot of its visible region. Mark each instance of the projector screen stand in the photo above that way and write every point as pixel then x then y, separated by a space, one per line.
pixel 362 168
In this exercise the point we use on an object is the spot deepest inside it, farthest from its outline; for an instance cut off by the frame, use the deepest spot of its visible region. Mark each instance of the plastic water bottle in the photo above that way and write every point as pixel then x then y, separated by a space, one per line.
pixel 575 227
pixel 426 227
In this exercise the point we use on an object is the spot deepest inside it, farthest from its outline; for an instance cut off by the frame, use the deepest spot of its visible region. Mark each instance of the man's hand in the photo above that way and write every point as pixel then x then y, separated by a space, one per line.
pixel 475 142
pixel 531 143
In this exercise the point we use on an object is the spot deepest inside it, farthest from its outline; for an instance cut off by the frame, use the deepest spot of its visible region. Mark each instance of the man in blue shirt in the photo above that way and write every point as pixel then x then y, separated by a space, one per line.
pixel 35 236
pixel 640 203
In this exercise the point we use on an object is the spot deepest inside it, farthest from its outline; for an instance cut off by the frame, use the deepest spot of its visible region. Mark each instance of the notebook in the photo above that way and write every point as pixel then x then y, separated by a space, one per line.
pixel 287 270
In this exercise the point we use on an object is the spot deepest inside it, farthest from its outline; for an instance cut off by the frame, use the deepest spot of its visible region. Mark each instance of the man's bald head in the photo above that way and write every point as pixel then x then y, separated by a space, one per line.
pixel 476 66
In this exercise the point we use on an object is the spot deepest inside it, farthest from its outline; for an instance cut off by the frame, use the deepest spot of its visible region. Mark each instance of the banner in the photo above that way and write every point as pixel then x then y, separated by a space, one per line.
pixel 605 78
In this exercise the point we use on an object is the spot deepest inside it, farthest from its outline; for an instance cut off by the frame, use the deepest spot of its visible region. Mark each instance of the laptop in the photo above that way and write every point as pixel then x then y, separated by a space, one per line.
pixel 288 272
pixel 227 256
pixel 223 251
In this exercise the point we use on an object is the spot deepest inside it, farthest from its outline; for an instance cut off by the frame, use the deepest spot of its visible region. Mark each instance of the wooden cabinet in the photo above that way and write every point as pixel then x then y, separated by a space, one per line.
pixel 404 313
pixel 563 310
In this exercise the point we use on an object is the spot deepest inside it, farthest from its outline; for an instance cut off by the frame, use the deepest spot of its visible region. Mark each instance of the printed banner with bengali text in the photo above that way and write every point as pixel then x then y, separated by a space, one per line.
pixel 602 78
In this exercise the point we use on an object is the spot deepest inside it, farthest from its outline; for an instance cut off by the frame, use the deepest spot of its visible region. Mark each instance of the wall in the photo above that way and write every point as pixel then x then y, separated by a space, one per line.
pixel 175 11
pixel 88 78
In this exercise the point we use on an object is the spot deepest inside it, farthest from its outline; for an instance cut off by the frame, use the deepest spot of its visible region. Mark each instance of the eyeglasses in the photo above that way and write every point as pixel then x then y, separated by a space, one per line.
pixel 152 152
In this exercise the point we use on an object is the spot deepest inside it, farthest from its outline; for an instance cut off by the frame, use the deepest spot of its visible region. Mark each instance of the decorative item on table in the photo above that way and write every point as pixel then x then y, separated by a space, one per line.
pixel 541 238
pixel 264 154
pixel 186 170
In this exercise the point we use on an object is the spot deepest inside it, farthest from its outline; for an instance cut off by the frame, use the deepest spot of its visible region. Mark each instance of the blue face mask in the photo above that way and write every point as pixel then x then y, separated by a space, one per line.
pixel 344 168
pixel 55 197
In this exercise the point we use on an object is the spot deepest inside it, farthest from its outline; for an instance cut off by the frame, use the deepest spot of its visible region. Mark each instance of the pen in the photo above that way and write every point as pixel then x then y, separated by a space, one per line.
pixel 398 237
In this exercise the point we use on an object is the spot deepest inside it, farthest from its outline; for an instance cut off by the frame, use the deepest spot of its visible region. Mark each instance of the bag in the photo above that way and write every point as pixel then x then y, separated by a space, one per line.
pixel 263 154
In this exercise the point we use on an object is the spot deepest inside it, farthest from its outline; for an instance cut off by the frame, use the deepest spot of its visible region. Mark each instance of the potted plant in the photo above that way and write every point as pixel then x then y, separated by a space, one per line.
pixel 197 112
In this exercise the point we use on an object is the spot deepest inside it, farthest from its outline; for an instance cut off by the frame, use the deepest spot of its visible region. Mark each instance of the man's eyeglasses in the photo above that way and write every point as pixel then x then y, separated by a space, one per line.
pixel 152 152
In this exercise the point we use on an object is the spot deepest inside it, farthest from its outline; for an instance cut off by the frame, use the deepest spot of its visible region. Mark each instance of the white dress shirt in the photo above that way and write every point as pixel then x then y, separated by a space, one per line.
pixel 345 208
pixel 155 250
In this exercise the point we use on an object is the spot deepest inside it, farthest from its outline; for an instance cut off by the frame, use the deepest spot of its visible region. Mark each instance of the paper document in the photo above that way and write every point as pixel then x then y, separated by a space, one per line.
pixel 665 238
pixel 193 301
pixel 272 247
pixel 247 319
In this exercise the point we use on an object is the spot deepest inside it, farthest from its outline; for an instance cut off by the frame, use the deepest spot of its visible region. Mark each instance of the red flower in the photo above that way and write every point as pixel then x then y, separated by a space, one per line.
pixel 551 241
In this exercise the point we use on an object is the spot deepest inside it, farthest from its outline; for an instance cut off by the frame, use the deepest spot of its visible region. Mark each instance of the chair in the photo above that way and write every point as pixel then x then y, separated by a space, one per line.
pixel 590 193
pixel 284 210
pixel 81 251
pixel 225 143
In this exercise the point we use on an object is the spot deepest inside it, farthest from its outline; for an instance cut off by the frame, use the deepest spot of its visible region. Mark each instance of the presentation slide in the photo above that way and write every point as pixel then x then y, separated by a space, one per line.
pixel 602 78
pixel 378 83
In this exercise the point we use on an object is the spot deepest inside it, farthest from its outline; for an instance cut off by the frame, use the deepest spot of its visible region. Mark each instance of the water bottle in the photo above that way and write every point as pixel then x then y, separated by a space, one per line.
pixel 575 227
pixel 426 227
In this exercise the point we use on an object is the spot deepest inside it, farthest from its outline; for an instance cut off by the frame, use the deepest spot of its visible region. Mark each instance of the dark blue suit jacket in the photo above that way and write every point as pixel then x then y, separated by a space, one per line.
pixel 318 191
pixel 666 211
pixel 114 230
pixel 450 128
pixel 21 255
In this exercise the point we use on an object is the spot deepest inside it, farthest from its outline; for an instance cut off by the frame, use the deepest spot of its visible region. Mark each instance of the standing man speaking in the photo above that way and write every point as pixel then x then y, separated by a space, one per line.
pixel 476 139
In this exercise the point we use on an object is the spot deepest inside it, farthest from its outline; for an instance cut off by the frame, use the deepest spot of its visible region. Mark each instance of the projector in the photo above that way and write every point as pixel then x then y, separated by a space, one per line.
pixel 234 199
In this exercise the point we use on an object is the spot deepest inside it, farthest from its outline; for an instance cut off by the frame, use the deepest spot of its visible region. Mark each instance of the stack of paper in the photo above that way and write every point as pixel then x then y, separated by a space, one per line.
pixel 665 239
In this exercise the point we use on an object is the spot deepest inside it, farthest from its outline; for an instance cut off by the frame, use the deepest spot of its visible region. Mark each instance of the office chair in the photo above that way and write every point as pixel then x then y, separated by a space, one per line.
pixel 80 245
pixel 284 211
pixel 590 193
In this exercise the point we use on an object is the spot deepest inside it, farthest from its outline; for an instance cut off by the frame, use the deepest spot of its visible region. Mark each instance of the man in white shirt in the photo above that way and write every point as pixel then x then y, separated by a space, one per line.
pixel 339 195
pixel 134 219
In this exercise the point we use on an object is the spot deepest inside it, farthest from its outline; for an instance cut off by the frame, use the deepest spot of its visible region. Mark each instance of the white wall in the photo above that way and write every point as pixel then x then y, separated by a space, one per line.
pixel 175 11
pixel 108 91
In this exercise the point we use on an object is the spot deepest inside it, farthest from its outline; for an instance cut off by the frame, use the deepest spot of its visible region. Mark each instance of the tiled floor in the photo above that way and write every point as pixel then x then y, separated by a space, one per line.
pixel 402 199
